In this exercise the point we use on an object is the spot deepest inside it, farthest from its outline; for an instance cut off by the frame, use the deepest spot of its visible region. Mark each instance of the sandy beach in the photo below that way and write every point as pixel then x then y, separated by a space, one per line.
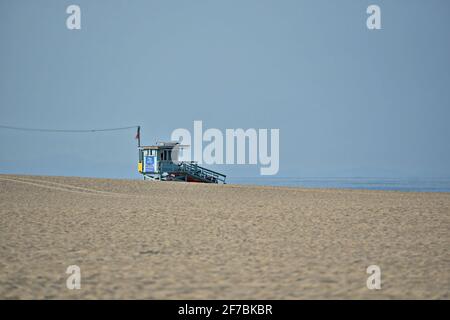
pixel 167 240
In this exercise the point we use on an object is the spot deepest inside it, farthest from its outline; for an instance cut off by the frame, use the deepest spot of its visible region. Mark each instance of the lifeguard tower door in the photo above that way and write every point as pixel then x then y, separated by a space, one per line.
pixel 149 160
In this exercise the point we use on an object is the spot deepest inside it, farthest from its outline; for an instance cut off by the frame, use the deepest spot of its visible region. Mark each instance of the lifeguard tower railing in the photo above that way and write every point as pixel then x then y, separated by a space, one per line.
pixel 193 170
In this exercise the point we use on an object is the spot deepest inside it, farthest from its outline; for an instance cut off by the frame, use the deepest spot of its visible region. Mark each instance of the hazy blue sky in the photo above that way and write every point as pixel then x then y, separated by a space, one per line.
pixel 348 101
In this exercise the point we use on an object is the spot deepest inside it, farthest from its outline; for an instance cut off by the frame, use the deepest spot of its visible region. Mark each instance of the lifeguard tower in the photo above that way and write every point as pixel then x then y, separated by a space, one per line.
pixel 160 162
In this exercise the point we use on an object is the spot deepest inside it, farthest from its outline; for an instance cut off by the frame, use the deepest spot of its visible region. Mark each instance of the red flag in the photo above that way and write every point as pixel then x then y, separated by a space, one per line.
pixel 138 133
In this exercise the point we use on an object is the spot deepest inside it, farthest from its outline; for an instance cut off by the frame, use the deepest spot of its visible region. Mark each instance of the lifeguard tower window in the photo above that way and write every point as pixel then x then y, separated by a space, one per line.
pixel 166 155
pixel 147 153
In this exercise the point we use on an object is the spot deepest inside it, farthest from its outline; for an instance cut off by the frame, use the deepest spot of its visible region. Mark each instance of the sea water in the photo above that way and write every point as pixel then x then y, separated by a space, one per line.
pixel 399 184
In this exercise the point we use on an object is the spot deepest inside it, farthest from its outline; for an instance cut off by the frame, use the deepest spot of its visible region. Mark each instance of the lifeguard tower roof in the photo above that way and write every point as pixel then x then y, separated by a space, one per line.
pixel 162 145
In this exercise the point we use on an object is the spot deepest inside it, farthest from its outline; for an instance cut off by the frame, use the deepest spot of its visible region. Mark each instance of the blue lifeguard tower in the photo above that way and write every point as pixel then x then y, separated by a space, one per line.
pixel 160 162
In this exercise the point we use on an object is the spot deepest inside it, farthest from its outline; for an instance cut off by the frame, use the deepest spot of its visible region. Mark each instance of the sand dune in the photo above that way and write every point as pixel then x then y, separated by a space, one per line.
pixel 153 240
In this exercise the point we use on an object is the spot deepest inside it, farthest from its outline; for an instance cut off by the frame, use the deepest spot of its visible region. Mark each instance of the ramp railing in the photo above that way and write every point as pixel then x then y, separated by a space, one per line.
pixel 206 175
